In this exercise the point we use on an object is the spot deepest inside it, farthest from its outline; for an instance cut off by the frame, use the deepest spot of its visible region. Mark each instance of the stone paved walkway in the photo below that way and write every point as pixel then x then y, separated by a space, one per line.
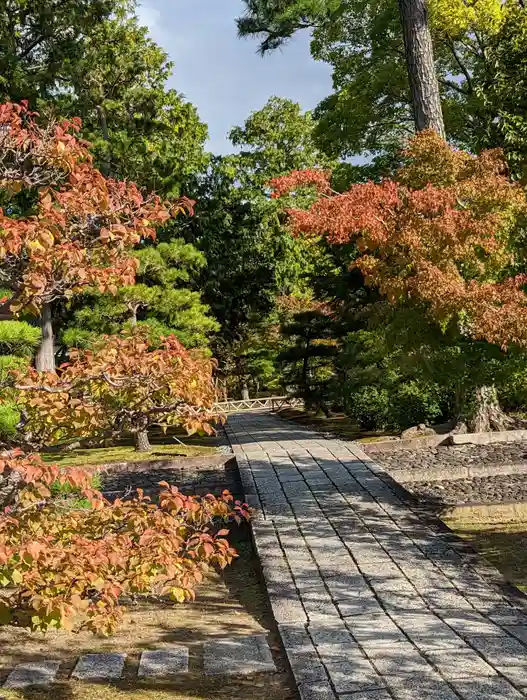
pixel 372 602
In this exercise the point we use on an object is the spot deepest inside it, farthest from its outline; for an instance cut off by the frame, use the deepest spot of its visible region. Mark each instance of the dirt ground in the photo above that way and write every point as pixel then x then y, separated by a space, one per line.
pixel 229 604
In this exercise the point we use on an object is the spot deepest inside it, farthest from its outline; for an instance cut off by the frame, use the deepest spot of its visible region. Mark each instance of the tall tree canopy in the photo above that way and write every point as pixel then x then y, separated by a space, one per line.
pixel 93 60
pixel 41 40
pixel 370 107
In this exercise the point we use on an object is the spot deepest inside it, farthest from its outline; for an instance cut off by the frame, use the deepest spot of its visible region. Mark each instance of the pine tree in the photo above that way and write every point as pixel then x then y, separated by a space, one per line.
pixel 158 301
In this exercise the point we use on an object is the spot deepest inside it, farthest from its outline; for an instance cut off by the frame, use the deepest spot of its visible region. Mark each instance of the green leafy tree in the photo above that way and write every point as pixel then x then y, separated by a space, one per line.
pixel 308 361
pixel 505 91
pixel 370 108
pixel 251 257
pixel 41 40
pixel 139 129
pixel 158 301
pixel 18 342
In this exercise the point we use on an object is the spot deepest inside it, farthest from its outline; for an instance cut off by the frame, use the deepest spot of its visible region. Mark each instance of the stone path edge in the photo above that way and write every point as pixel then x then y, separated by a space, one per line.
pixel 309 667
pixel 486 570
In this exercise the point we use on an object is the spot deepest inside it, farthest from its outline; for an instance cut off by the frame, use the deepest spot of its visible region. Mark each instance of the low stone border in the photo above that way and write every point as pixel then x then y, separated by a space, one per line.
pixel 453 473
pixel 174 463
pixel 486 438
pixel 405 444
pixel 483 512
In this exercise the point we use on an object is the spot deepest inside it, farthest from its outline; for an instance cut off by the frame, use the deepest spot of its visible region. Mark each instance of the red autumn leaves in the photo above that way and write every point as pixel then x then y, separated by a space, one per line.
pixel 442 233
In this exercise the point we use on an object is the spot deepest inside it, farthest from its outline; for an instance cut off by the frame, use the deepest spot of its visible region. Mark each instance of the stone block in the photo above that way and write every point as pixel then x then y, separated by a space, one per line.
pixel 486 689
pixel 368 695
pixel 353 674
pixel 374 631
pixel 500 651
pixel 467 623
pixel 427 631
pixel 420 688
pixel 359 606
pixel 238 656
pixel 319 690
pixel 460 664
pixel 163 662
pixel 517 675
pixel 400 659
pixel 33 673
pixel 286 608
pixel 99 667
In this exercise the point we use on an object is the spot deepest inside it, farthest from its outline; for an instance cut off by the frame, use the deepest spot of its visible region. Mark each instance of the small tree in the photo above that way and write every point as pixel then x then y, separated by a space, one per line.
pixel 123 385
pixel 442 236
pixel 160 300
pixel 65 567
pixel 78 235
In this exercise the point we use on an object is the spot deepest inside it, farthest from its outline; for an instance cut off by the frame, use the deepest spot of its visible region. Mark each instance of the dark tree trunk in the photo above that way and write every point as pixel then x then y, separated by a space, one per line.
pixel 305 370
pixel 142 443
pixel 424 87
pixel 45 357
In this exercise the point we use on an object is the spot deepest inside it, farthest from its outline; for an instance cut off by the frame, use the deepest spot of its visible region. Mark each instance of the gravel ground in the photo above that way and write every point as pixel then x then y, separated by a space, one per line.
pixel 197 481
pixel 495 489
pixel 454 455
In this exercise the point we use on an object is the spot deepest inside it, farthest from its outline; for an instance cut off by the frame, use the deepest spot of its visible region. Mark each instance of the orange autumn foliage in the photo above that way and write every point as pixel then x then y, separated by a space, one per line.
pixel 84 225
pixel 65 566
pixel 441 233
pixel 123 385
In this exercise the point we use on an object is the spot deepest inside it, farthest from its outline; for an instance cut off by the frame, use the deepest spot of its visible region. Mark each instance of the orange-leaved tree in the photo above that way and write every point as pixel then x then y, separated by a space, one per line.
pixel 65 566
pixel 81 229
pixel 122 385
pixel 440 235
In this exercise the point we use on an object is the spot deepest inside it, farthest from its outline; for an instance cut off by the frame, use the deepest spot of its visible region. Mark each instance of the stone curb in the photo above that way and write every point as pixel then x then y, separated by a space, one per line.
pixel 487 438
pixel 405 476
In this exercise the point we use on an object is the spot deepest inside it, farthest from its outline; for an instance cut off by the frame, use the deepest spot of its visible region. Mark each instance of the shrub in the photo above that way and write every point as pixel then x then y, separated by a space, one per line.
pixel 122 385
pixel 67 568
pixel 18 338
pixel 9 419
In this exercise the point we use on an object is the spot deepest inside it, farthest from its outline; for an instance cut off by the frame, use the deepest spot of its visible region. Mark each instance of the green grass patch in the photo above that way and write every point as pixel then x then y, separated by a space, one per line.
pixel 124 453
pixel 504 545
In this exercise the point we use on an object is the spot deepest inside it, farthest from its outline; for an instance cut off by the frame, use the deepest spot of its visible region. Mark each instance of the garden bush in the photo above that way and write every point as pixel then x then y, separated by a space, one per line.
pixel 68 567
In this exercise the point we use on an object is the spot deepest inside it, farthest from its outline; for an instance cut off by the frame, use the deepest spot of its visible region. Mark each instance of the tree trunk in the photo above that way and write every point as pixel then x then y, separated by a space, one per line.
pixel 424 87
pixel 105 167
pixel 305 370
pixel 482 413
pixel 133 316
pixel 45 357
pixel 142 443
pixel 245 390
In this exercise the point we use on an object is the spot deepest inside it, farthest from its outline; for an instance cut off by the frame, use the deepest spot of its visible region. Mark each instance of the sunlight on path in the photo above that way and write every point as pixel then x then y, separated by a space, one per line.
pixel 371 601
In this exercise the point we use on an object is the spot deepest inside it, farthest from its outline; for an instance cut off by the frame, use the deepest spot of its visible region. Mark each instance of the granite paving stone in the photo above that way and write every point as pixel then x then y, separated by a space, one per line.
pixel 99 667
pixel 487 689
pixel 163 662
pixel 318 690
pixel 420 688
pixel 373 600
pixel 237 656
pixel 33 673
pixel 499 651
pixel 455 664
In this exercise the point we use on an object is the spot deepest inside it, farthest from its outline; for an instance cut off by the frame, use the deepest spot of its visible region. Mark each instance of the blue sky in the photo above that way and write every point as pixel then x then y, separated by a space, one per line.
pixel 223 75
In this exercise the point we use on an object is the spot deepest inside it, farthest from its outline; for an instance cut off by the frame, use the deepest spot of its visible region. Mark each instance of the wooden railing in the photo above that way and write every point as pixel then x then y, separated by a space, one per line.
pixel 269 403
